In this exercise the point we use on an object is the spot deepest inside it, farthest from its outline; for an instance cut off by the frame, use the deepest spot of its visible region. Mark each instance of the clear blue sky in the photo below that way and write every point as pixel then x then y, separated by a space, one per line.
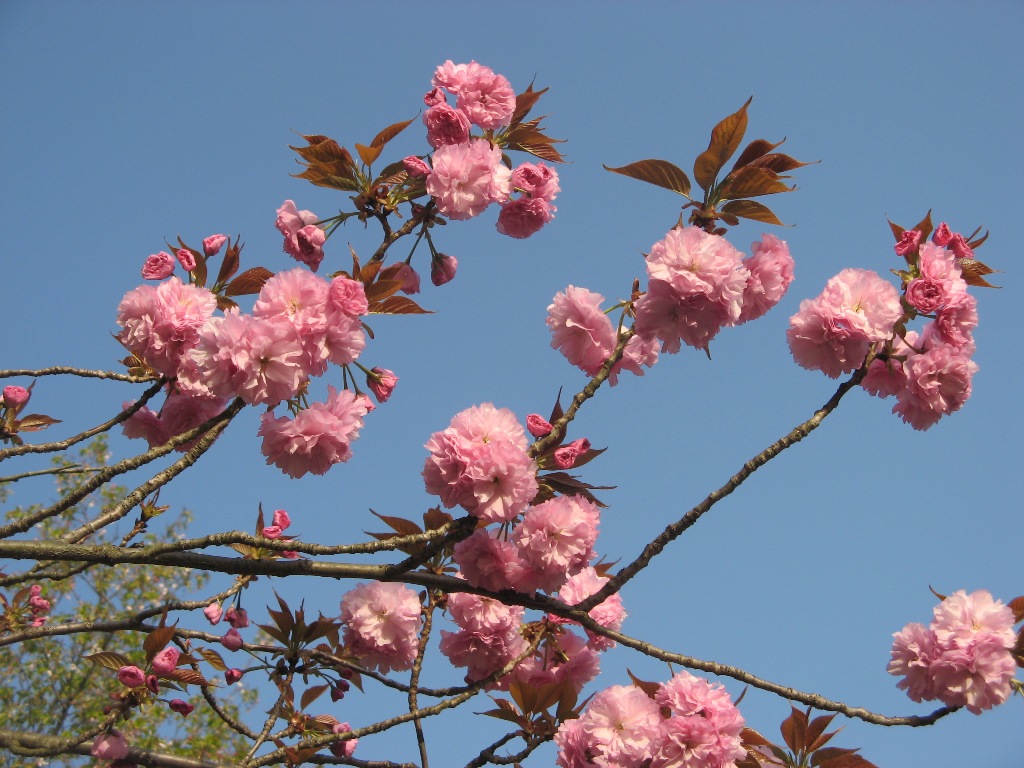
pixel 125 124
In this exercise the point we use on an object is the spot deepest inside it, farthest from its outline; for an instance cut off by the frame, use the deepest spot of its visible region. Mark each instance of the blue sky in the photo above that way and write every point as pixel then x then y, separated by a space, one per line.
pixel 125 124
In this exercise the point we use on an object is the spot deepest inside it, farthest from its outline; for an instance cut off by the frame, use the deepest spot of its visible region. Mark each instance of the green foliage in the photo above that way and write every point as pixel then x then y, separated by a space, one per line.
pixel 47 687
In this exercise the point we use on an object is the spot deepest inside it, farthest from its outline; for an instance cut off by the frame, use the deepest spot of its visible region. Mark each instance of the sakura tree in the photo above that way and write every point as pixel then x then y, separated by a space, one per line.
pixel 503 577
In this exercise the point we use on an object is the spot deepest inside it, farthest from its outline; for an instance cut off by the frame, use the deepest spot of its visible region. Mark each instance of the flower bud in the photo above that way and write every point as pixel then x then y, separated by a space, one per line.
pixel 538 425
pixel 186 259
pixel 942 235
pixel 158 266
pixel 343 748
pixel 232 675
pixel 165 662
pixel 382 383
pixel 109 746
pixel 237 618
pixel 410 280
pixel 153 684
pixel 16 397
pixel 131 676
pixel 442 269
pixel 566 456
pixel 232 640
pixel 416 167
pixel 213 243
pixel 213 613
pixel 183 708
pixel 908 243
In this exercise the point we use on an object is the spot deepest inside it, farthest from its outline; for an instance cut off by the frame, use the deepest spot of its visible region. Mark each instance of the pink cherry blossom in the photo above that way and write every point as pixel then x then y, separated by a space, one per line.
pixel 165 662
pixel 381 624
pixel 609 613
pixel 442 269
pixel 15 396
pixel 109 746
pixel 416 167
pixel 213 613
pixel 213 244
pixel 638 352
pixel 233 675
pixel 566 456
pixel 180 706
pixel 942 234
pixel 232 640
pixel 556 539
pixel 409 278
pixel 536 180
pixel 158 266
pixel 237 617
pixel 302 239
pixel 492 563
pixel 580 330
pixel 280 522
pixel 771 273
pixel 537 425
pixel 344 748
pixel 186 259
pixel 568 659
pixel 620 727
pixel 908 242
pixel 382 383
pixel 446 125
pixel 487 99
pixel 524 216
pixel 957 319
pixel 451 76
pixel 347 296
pixel 466 178
pixel 131 676
pixel 488 637
pixel 938 383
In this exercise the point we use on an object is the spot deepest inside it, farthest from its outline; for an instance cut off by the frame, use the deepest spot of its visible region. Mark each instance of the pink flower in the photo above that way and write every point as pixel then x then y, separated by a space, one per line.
pixel 771 273
pixel 416 167
pixel 452 76
pixel 237 617
pixel 109 746
pixel 913 650
pixel 276 529
pixel 381 624
pixel 302 239
pixel 433 96
pixel 442 269
pixel 566 455
pixel 410 279
pixel 908 243
pixel 639 352
pixel 466 178
pixel 232 640
pixel 15 396
pixel 957 319
pixel 487 99
pixel 695 287
pixel 233 675
pixel 180 706
pixel 609 613
pixel 619 728
pixel 186 259
pixel 524 217
pixel 158 266
pixel 382 383
pixel 343 748
pixel 580 330
pixel 536 180
pixel 537 425
pixel 480 462
pixel 833 332
pixel 319 437
pixel 213 613
pixel 213 244
pixel 938 383
pixel 445 125
pixel 488 637
pixel 131 676
pixel 958 245
pixel 165 662
pixel 556 539
pixel 492 563
pixel 942 235
pixel 347 297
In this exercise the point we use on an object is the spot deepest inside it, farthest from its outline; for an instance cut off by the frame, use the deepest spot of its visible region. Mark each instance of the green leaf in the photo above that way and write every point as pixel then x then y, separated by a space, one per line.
pixel 660 173
pixel 725 140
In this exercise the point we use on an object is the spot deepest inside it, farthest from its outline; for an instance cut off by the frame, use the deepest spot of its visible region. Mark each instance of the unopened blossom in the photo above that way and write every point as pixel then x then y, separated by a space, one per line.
pixel 466 178
pixel 536 180
pixel 942 234
pixel 480 462
pixel 771 273
pixel 958 245
pixel 180 706
pixel 232 640
pixel 343 748
pixel 233 675
pixel 279 523
pixel 381 382
pixel 409 278
pixel 537 425
pixel 237 617
pixel 524 216
pixel 131 676
pixel 213 613
pixel 153 684
pixel 317 438
pixel 382 622
pixel 580 330
pixel 416 167
pixel 109 746
pixel 158 266
pixel 186 258
pixel 565 456
pixel 165 662
pixel 908 242
pixel 15 396
pixel 213 244
pixel 442 269
pixel 446 125
pixel 695 288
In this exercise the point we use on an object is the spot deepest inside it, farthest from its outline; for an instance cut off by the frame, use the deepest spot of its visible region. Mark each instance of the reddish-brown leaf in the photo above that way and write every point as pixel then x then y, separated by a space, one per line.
pixel 647 686
pixel 327 164
pixel 525 102
pixel 1017 606
pixel 249 282
pixel 398 305
pixel 751 181
pixel 108 659
pixel 311 695
pixel 973 270
pixel 381 290
pixel 755 149
pixel 924 226
pixel 660 173
pixel 213 658
pixel 794 730
pixel 778 163
pixel 751 209
pixel 897 230
pixel 156 641
pixel 975 243
pixel 394 173
pixel 34 422
pixel 725 140
pixel 399 524
pixel 816 736
pixel 834 757
pixel 368 154
pixel 230 263
pixel 224 303
pixel 434 518
pixel 187 677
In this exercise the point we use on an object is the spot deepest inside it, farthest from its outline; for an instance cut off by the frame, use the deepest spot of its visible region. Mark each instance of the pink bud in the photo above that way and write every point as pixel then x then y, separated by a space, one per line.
pixel 237 618
pixel 289 554
pixel 960 248
pixel 942 235
pixel 566 456
pixel 153 684
pixel 15 397
pixel 442 269
pixel 338 691
pixel 343 748
pixel 382 383
pixel 281 519
pixel 434 96
pixel 232 640
pixel 410 280
pixel 165 662
pixel 232 675
pixel 908 243
pixel 158 266
pixel 213 613
pixel 186 259
pixel 183 708
pixel 131 676
pixel 538 425
pixel 213 243
pixel 109 746
pixel 416 167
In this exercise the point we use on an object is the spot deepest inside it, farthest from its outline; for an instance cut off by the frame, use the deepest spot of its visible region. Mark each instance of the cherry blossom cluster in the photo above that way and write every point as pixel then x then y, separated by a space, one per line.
pixel 27 607
pixel 698 283
pixel 466 173
pixel 298 325
pixel 928 372
pixel 687 722
pixel 963 658
pixel 481 463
